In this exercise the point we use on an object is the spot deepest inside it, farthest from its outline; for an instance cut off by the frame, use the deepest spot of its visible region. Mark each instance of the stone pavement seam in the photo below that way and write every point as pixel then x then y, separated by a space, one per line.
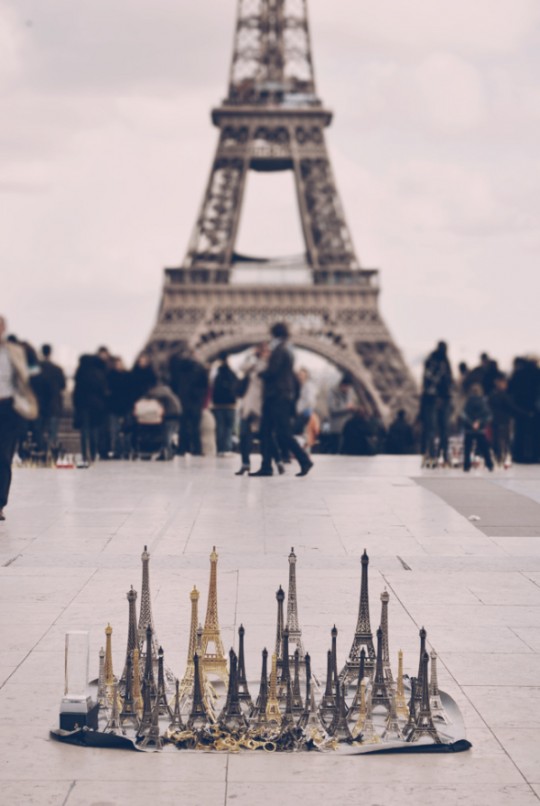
pixel 72 786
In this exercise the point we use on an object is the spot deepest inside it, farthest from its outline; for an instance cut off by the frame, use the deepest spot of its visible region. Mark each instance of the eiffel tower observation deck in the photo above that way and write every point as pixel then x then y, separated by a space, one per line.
pixel 219 300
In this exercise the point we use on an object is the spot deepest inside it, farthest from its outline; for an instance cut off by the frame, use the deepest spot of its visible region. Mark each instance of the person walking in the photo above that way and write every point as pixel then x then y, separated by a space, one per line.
pixel 342 404
pixel 53 383
pixel 435 404
pixel 16 400
pixel 90 404
pixel 279 392
pixel 189 382
pixel 224 393
pixel 475 417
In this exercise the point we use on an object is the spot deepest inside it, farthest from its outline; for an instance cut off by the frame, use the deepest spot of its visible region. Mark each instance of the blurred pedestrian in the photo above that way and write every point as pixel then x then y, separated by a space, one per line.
pixel 342 403
pixel 400 439
pixel 189 382
pixel 52 385
pixel 224 392
pixel 475 417
pixel 90 404
pixel 435 404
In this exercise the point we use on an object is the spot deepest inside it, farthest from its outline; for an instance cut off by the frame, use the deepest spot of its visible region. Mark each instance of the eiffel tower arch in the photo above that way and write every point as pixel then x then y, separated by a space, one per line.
pixel 219 300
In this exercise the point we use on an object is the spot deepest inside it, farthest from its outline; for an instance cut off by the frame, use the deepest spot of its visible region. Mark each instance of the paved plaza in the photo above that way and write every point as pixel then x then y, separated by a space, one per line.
pixel 71 548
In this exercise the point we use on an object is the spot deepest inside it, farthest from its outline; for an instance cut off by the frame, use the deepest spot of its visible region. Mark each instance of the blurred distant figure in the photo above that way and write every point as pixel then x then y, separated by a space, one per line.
pixel 119 405
pixel 53 383
pixel 250 392
pixel 484 374
pixel 435 403
pixel 224 392
pixel 400 439
pixel 475 418
pixel 342 403
pixel 189 382
pixel 524 389
pixel 90 404
pixel 503 411
pixel 360 435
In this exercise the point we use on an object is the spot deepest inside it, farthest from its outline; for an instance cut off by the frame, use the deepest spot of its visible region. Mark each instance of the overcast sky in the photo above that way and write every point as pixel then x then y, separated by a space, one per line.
pixel 106 144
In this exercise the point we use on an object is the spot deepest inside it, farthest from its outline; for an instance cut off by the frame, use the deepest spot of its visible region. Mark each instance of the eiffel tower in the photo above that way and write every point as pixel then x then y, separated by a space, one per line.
pixel 219 300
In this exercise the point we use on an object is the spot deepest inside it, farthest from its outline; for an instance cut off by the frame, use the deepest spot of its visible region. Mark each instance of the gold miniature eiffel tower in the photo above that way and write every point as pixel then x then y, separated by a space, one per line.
pixel 137 694
pixel 213 662
pixel 273 714
pixel 110 679
pixel 187 681
pixel 401 701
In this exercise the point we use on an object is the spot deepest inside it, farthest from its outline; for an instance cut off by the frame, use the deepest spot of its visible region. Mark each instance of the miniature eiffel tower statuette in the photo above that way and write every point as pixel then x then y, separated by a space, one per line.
pixel 362 710
pixel 328 706
pixel 163 705
pixel 420 682
pixel 380 692
pixel 102 688
pixel 137 693
pixel 387 668
pixel 411 721
pixel 295 633
pixel 280 597
pixel 273 714
pixel 176 722
pixel 339 729
pixel 424 722
pixel 401 701
pixel 109 674
pixel 297 704
pixel 363 637
pixel 310 721
pixel 354 710
pixel 258 713
pixel 151 736
pixel 287 719
pixel 213 662
pixel 148 677
pixel 198 718
pixel 285 667
pixel 132 640
pixel 243 690
pixel 145 613
pixel 392 731
pixel 369 734
pixel 435 702
pixel 113 725
pixel 231 717
pixel 187 680
pixel 128 714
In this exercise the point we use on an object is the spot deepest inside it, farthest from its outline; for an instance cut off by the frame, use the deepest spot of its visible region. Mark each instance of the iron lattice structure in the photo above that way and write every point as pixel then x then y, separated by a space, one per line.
pixel 273 120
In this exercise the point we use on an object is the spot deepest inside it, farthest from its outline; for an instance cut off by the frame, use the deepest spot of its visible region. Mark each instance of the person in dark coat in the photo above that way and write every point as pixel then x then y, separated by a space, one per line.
pixel 90 403
pixel 524 390
pixel 435 403
pixel 119 405
pixel 189 382
pixel 475 417
pixel 279 393
pixel 52 384
pixel 360 435
pixel 224 394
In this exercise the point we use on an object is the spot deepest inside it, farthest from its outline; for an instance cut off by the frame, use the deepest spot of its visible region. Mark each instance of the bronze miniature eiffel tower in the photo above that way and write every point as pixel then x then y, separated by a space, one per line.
pixel 424 722
pixel 413 705
pixel 401 701
pixel 420 682
pixel 387 668
pixel 176 722
pixel 148 676
pixel 187 680
pixel 132 640
pixel 285 667
pixel 137 693
pixel 297 704
pixel 273 713
pixel 163 705
pixel 339 729
pixel 273 120
pixel 232 717
pixel 213 662
pixel 243 690
pixel 380 692
pixel 363 637
pixel 150 736
pixel 295 633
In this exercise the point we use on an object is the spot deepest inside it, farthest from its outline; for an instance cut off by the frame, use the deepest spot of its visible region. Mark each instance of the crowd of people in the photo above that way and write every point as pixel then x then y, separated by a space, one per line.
pixel 265 406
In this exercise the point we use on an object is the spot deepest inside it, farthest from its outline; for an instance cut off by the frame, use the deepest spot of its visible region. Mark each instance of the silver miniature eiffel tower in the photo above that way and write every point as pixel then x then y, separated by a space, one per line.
pixel 328 706
pixel 380 692
pixel 243 691
pixel 354 710
pixel 198 717
pixel 151 736
pixel 363 637
pixel 145 612
pixel 339 729
pixel 295 633
pixel 368 733
pixel 132 640
pixel 280 597
pixel 387 668
pixel 163 706
pixel 392 731
pixel 231 717
pixel 401 702
pixel 435 702
pixel 297 704
pixel 310 721
pixel 258 713
pixel 285 674
pixel 424 722
pixel 128 714
pixel 176 722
